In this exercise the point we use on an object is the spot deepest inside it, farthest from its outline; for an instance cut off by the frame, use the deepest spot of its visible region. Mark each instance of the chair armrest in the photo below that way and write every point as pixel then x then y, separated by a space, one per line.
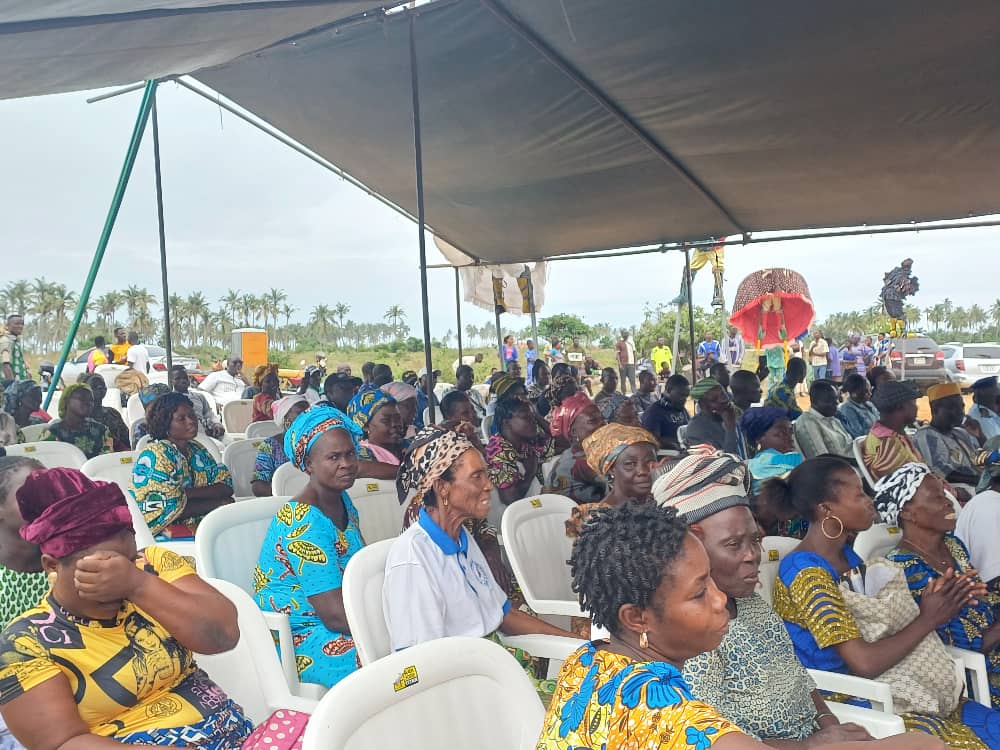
pixel 975 675
pixel 278 623
pixel 544 646
pixel 566 608
pixel 295 703
pixel 877 692
pixel 878 723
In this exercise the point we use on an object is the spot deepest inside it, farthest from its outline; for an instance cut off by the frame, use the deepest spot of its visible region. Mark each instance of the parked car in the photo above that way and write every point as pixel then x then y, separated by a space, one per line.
pixel 157 364
pixel 924 361
pixel 967 363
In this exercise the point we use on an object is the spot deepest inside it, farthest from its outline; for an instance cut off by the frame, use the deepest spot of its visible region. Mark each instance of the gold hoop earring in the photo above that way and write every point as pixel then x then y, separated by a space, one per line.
pixel 822 527
pixel 643 640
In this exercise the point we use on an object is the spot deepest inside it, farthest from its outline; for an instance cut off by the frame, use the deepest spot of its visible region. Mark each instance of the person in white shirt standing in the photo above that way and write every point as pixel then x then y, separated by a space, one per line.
pixel 225 385
pixel 137 356
pixel 625 350
pixel 819 353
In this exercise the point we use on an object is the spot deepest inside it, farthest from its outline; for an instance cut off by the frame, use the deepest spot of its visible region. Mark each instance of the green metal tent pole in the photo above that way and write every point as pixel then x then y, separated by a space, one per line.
pixel 109 224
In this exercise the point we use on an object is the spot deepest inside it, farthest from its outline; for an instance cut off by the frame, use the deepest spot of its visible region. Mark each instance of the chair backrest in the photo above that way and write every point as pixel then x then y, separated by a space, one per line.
pixel 534 537
pixel 262 430
pixel 141 443
pixel 110 374
pixel 682 434
pixel 228 540
pixel 117 468
pixel 33 432
pixel 875 542
pixel 856 447
pixel 134 409
pixel 113 400
pixel 288 480
pixel 363 579
pixel 774 550
pixel 251 672
pixel 236 415
pixel 487 425
pixel 379 509
pixel 51 453
pixel 240 457
pixel 388 703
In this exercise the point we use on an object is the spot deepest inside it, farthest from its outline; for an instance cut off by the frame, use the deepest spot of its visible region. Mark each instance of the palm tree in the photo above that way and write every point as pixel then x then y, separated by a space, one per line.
pixel 471 332
pixel 17 296
pixel 977 318
pixel 231 304
pixel 995 315
pixel 137 302
pixel 394 314
pixel 319 321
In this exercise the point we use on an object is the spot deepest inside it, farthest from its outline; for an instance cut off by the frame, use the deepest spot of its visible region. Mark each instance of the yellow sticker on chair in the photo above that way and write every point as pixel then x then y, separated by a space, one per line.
pixel 30 449
pixel 126 459
pixel 407 679
pixel 772 555
pixel 892 530
pixel 371 487
pixel 536 502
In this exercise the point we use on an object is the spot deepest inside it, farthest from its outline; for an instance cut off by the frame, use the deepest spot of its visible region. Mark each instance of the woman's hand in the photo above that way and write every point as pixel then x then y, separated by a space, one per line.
pixel 106 576
pixel 946 596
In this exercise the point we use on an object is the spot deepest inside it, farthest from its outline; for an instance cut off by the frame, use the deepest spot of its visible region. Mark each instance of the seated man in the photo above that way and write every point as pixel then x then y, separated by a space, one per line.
pixel 715 422
pixel 887 446
pixel 226 385
pixel 948 449
pixel 818 430
pixel 782 393
pixel 985 394
pixel 669 413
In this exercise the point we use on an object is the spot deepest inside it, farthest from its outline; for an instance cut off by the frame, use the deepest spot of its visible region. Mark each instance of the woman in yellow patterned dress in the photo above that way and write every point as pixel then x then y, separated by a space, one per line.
pixel 645 578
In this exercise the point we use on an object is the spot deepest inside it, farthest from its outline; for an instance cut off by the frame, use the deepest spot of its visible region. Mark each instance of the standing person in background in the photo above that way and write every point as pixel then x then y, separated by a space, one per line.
pixel 119 349
pixel 137 356
pixel 11 356
pixel 819 352
pixel 555 354
pixel 882 349
pixel 663 358
pixel 708 353
pixel 99 355
pixel 530 357
pixel 625 350
pixel 510 353
pixel 733 347
pixel 833 357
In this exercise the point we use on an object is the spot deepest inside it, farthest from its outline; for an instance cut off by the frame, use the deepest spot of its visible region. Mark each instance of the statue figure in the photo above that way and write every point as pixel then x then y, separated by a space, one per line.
pixel 897 285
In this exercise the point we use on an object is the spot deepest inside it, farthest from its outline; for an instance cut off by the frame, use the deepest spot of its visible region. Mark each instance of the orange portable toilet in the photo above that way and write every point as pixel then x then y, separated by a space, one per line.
pixel 250 345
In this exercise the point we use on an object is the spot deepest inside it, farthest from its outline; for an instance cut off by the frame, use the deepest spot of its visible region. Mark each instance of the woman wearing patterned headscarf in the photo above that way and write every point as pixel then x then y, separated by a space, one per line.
pixel 516 451
pixel 914 499
pixel 309 543
pixel 437 580
pixel 377 416
pixel 576 419
pixel 23 400
pixel 75 425
pixel 269 391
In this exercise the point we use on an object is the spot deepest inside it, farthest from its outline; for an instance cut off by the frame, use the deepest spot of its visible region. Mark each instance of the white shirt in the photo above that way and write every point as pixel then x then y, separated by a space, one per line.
pixel 436 587
pixel 629 351
pixel 979 527
pixel 468 359
pixel 818 355
pixel 223 386
pixel 138 357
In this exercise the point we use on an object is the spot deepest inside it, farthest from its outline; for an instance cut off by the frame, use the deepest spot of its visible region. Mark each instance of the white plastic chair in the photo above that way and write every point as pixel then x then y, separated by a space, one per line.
pixel 875 542
pixel 487 424
pixel 362 591
pixel 288 480
pixel 534 538
pixel 878 723
pixel 210 444
pixel 856 447
pixel 773 551
pixel 51 453
pixel 379 510
pixel 251 673
pixel 111 467
pixel 236 415
pixel 113 400
pixel 240 457
pixel 33 432
pixel 110 374
pixel 134 410
pixel 387 704
pixel 262 430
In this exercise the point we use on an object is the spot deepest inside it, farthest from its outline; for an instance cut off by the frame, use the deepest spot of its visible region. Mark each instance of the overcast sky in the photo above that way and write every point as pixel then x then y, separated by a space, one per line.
pixel 245 212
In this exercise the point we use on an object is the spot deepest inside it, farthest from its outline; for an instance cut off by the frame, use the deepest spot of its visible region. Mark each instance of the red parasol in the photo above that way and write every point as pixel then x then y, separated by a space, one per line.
pixel 772 306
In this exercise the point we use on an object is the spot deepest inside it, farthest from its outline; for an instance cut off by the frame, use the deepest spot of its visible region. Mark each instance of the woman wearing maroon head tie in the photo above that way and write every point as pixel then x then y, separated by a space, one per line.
pixel 106 658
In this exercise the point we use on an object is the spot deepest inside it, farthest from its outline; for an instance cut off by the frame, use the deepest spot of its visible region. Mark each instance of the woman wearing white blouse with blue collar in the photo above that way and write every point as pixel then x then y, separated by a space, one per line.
pixel 437 582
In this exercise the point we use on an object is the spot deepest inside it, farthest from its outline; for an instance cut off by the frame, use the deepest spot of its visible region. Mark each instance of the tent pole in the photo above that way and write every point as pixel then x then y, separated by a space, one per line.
pixel 167 339
pixel 105 238
pixel 531 309
pixel 687 275
pixel 503 362
pixel 458 315
pixel 418 162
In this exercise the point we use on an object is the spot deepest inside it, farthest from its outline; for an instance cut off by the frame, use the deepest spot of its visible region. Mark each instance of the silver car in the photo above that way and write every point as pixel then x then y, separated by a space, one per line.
pixel 967 363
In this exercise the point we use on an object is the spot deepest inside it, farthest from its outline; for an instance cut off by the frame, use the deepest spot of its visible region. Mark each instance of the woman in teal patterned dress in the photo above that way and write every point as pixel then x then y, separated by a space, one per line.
pixel 75 425
pixel 913 498
pixel 309 543
pixel 175 480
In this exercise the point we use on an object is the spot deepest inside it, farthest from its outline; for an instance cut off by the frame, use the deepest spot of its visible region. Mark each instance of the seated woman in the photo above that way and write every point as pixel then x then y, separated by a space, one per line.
pixel 913 499
pixel 377 417
pixel 808 596
pixel 75 426
pixel 437 580
pixel 147 395
pixel 576 418
pixel 406 403
pixel 271 452
pixel 22 582
pixel 309 543
pixel 645 578
pixel 517 450
pixel 270 391
pixel 310 385
pixel 175 480
pixel 752 678
pixel 23 401
pixel 620 410
pixel 768 431
pixel 110 418
pixel 107 657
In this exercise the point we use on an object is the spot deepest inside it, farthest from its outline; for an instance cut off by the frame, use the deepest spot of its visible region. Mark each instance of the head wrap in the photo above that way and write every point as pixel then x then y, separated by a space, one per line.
pixel 64 511
pixel 892 393
pixel 364 405
pixel 943 390
pixel 607 443
pixel 561 387
pixel 308 373
pixel 310 425
pixel 430 455
pixel 503 384
pixel 759 419
pixel 258 375
pixel 15 392
pixel 399 391
pixel 562 417
pixel 67 394
pixel 611 405
pixel 895 490
pixel 283 405
pixel 703 483
pixel 702 387
pixel 149 393
pixel 770 464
